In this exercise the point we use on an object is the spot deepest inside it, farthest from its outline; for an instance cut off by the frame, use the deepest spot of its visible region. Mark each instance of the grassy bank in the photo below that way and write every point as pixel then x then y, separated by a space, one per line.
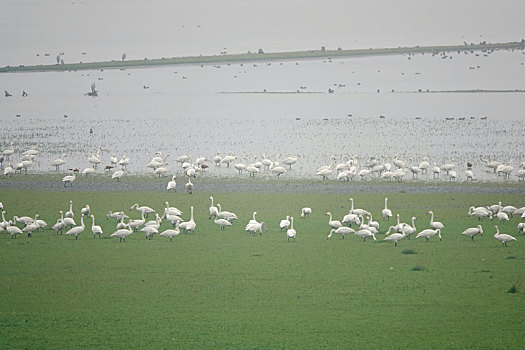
pixel 228 289
pixel 248 57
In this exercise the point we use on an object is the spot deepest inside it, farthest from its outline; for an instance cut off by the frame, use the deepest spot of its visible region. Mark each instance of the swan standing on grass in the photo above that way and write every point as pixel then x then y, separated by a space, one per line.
pixel 222 223
pixel 343 230
pixel 503 237
pixel 472 231
pixel 60 225
pixel 226 214
pixel 365 233
pixel 357 211
pixel 395 237
pixel 31 227
pixel 95 229
pixel 502 216
pixel 172 185
pixel 350 219
pixel 285 223
pixel 435 224
pixel 13 230
pixel 172 210
pixel 253 220
pixel 75 231
pixel 171 233
pixel 116 215
pixel 143 209
pixel 122 234
pixel 254 227
pixel 305 212
pixel 429 233
pixel 333 223
pixel 86 210
pixel 480 212
pixel 214 211
pixel 291 233
pixel 69 213
pixel 409 230
pixel 189 225
pixel 149 230
pixel 387 213
pixel 135 224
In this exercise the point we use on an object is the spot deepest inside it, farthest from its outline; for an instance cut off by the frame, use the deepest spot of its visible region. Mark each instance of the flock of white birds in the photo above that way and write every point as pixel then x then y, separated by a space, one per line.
pixel 346 169
pixel 358 221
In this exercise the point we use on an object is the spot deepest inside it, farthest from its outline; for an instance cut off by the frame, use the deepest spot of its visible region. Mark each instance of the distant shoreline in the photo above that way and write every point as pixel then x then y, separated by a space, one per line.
pixel 256 57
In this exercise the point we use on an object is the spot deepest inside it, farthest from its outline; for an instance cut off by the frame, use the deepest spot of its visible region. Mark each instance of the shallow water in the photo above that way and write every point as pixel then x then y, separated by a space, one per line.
pixel 380 107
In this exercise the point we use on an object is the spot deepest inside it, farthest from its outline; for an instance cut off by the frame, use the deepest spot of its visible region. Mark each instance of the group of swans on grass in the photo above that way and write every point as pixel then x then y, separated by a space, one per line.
pixel 365 228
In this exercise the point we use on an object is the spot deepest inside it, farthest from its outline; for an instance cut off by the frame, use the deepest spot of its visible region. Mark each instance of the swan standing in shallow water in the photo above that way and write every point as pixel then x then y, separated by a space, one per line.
pixel 172 185
pixel 291 233
pixel 503 237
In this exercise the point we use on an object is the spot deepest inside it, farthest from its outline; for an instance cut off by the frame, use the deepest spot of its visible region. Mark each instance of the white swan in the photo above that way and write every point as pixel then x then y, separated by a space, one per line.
pixel 122 234
pixel 86 210
pixel 95 229
pixel 503 237
pixel 387 213
pixel 365 233
pixel 291 233
pixel 149 230
pixel 189 186
pixel 226 214
pixel 171 232
pixel 290 161
pixel 13 230
pixel 395 237
pixel 116 215
pixel 214 211
pixel 189 225
pixel 75 231
pixel 118 175
pixel 69 179
pixel 136 223
pixel 480 212
pixel 222 223
pixel 357 211
pixel 31 227
pixel 472 231
pixel 254 227
pixel 429 233
pixel 253 220
pixel 494 208
pixel 172 210
pixel 305 212
pixel 350 219
pixel 502 217
pixel 69 213
pixel 58 162
pixel 172 185
pixel 343 230
pixel 285 223
pixel 435 224
pixel 335 224
pixel 60 225
pixel 409 230
pixel 143 209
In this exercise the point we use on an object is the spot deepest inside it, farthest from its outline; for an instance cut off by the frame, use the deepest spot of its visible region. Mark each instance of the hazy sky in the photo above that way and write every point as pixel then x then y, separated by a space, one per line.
pixel 106 29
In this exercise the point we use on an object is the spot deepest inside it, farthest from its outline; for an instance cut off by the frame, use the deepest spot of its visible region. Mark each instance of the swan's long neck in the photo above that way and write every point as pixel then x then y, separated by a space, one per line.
pixel 431 218
pixel 191 214
pixel 352 204
pixel 82 221
pixel 291 224
pixel 142 215
pixel 211 201
pixel 3 217
pixel 330 214
pixel 93 221
pixel 398 219
pixel 413 223
pixel 253 216
pixel 331 232
pixel 71 203
pixel 219 207
pixel 386 200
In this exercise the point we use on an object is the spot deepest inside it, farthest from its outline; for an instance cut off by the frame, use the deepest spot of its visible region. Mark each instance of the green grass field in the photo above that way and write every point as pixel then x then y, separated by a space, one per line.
pixel 228 289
